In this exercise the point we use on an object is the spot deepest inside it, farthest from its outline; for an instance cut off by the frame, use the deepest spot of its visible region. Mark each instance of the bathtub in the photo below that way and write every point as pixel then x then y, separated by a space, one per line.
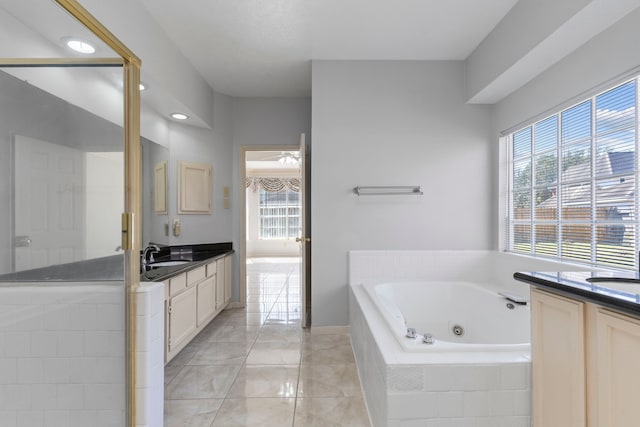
pixel 478 375
pixel 459 316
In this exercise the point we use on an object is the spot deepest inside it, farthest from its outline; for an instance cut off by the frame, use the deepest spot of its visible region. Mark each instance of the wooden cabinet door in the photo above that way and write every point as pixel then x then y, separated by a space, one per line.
pixel 228 273
pixel 220 278
pixel 618 369
pixel 558 362
pixel 182 318
pixel 194 188
pixel 206 300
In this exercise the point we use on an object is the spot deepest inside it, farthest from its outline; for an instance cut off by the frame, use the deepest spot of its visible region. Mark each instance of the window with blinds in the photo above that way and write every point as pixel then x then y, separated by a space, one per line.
pixel 573 182
pixel 279 214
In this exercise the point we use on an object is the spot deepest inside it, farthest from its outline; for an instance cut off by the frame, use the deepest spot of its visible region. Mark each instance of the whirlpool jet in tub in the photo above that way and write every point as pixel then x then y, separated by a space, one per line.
pixel 454 316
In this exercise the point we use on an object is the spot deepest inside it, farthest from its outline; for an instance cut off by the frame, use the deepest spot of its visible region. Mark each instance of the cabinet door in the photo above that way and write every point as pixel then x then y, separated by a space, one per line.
pixel 206 300
pixel 558 363
pixel 182 317
pixel 220 276
pixel 194 188
pixel 618 369
pixel 228 274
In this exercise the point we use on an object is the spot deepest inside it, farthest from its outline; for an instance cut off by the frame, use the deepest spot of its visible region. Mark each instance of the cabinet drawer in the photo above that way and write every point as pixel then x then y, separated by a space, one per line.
pixel 177 284
pixel 196 275
pixel 211 269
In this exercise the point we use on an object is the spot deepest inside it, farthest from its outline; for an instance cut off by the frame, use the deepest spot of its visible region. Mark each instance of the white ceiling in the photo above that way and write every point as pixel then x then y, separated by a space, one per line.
pixel 264 48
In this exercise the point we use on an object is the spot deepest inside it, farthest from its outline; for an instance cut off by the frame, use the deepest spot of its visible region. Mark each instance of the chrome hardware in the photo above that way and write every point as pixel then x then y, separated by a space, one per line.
pixel 386 190
pixel 458 330
pixel 411 333
pixel 428 339
pixel 303 239
pixel 513 298
pixel 151 249
pixel 22 241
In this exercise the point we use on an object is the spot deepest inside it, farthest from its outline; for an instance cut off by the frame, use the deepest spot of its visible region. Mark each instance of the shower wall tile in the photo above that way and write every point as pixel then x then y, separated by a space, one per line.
pixel 62 355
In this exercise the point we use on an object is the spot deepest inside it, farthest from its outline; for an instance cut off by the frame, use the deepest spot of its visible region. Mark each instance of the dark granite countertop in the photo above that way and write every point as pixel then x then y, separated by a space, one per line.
pixel 196 255
pixel 111 268
pixel 618 290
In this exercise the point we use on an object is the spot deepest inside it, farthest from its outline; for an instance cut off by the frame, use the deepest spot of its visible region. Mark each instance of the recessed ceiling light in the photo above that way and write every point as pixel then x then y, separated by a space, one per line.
pixel 179 116
pixel 80 46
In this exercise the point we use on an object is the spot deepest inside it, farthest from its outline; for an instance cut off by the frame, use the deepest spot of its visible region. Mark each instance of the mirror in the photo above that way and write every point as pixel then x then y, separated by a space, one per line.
pixel 84 198
pixel 155 218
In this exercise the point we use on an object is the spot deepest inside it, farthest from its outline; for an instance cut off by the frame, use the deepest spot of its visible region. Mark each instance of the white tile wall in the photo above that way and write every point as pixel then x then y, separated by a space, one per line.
pixel 150 355
pixel 62 355
pixel 432 395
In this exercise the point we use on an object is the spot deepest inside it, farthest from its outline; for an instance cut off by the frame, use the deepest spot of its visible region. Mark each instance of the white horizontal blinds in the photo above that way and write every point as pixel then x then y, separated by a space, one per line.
pixel 574 182
pixel 615 173
pixel 521 196
pixel 575 187
pixel 545 213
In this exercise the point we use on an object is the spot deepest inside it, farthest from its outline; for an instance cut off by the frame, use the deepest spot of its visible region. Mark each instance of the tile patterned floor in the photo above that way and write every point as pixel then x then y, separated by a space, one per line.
pixel 256 367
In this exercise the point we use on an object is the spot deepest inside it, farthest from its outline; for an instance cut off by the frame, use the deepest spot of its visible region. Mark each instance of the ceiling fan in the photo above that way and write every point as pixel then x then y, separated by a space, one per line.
pixel 287 158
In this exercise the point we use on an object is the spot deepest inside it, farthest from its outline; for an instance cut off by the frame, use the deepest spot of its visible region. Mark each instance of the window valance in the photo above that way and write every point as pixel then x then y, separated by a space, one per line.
pixel 273 184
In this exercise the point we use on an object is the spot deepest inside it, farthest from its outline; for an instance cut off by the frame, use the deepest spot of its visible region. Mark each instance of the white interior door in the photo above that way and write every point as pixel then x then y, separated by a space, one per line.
pixel 48 204
pixel 304 240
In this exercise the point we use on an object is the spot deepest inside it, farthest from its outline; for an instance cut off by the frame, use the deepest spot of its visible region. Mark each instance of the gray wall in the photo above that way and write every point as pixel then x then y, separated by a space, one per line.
pixel 211 146
pixel 394 123
pixel 264 121
pixel 608 55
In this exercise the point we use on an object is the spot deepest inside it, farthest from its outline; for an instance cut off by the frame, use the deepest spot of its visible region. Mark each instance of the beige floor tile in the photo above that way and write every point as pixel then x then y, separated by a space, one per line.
pixel 170 372
pixel 259 307
pixel 327 349
pixel 274 353
pixel 201 382
pixel 329 381
pixel 280 333
pixel 249 319
pixel 331 412
pixel 265 381
pixel 231 333
pixel 252 358
pixel 255 412
pixel 221 353
pixel 190 413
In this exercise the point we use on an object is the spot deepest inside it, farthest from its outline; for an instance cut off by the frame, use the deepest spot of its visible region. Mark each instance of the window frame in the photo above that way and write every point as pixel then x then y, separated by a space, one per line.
pixel 287 217
pixel 598 227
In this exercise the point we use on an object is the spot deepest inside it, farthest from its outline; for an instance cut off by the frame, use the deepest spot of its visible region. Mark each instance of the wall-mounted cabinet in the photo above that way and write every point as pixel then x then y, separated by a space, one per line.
pixel 194 188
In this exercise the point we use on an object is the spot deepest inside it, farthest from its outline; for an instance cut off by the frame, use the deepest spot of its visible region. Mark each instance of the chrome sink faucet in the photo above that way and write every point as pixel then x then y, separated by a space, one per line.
pixel 151 249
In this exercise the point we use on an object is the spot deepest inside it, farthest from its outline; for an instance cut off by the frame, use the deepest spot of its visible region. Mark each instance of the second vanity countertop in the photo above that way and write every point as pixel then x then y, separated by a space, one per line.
pixel 617 290
pixel 196 255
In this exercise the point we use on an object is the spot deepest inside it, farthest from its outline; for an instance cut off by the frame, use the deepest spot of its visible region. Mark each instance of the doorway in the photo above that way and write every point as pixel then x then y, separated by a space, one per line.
pixel 274 221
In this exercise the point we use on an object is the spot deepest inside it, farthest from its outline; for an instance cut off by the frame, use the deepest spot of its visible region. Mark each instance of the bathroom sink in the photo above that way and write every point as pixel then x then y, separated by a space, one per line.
pixel 624 284
pixel 167 263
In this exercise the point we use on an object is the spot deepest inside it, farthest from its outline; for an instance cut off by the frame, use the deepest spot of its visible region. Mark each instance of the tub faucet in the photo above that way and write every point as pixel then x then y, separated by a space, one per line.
pixel 151 249
pixel 428 339
pixel 411 333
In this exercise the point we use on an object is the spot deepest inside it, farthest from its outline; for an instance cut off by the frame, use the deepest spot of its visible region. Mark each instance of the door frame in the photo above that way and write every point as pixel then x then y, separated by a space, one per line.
pixel 242 253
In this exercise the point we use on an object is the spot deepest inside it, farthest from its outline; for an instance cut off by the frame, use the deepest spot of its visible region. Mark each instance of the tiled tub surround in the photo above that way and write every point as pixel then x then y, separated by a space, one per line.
pixel 438 388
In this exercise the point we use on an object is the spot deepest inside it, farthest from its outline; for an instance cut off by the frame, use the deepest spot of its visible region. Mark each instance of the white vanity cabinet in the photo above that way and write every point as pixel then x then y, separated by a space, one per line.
pixel 585 363
pixel 192 301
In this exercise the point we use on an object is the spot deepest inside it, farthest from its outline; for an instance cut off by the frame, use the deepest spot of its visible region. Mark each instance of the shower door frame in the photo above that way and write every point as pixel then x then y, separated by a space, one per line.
pixel 131 217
